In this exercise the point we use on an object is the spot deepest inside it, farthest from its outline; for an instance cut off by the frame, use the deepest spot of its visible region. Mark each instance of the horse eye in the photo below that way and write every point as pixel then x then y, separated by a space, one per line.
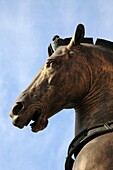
pixel 53 64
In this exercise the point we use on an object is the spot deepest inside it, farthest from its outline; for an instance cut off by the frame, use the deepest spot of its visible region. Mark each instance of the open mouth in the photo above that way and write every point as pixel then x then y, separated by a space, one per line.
pixel 35 118
pixel 38 121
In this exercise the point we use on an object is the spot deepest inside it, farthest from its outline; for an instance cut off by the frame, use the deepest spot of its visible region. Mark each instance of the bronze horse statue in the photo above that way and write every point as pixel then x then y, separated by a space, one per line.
pixel 80 76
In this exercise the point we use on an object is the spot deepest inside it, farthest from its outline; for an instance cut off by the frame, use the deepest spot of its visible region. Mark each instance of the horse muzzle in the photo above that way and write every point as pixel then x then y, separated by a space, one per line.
pixel 33 115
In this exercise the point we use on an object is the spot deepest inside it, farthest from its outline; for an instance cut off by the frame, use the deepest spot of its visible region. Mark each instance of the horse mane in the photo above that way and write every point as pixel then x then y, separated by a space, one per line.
pixel 104 43
pixel 86 40
pixel 101 42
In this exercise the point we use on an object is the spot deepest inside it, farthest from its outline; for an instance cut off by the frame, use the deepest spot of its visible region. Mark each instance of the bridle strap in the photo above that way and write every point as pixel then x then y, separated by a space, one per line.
pixel 83 138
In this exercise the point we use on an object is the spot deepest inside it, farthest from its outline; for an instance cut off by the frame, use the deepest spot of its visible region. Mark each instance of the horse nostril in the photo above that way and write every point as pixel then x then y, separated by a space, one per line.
pixel 17 108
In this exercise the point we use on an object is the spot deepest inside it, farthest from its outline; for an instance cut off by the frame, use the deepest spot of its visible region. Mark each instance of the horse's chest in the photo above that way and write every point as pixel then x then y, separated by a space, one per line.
pixel 96 155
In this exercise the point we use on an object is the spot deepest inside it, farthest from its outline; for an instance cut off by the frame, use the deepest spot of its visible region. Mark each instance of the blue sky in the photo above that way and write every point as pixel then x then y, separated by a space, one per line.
pixel 26 29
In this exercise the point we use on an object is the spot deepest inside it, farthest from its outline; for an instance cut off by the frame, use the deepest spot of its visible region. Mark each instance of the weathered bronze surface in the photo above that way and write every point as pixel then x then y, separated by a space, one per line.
pixel 79 76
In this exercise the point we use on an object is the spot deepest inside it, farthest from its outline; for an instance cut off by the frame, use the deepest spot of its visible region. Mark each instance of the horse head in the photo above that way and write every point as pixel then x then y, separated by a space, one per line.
pixel 80 76
pixel 76 75
pixel 54 88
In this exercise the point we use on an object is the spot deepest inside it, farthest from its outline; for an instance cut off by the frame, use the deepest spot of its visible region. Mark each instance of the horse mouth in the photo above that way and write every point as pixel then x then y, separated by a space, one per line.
pixel 35 118
pixel 38 120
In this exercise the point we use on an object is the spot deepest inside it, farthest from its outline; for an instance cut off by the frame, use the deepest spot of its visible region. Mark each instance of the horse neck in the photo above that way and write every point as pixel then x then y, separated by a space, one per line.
pixel 97 106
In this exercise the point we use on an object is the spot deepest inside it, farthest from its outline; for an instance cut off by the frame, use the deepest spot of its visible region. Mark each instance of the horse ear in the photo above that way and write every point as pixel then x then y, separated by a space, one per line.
pixel 50 50
pixel 78 36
